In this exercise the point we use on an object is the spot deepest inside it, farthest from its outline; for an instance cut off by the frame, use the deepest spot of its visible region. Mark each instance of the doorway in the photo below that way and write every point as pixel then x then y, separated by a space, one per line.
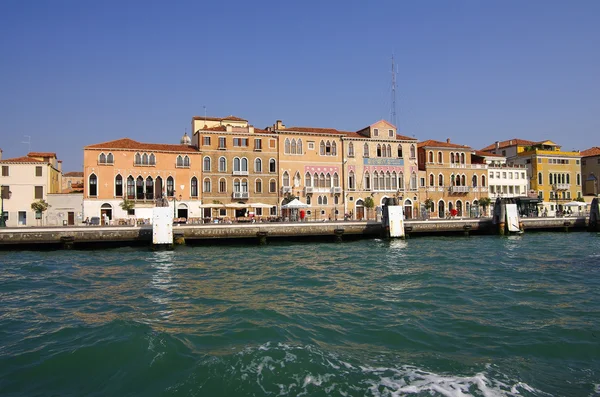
pixel 70 218
pixel 360 210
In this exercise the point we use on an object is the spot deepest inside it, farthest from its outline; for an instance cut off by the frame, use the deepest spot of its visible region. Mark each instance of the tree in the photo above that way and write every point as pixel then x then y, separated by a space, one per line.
pixel 39 207
pixel 127 205
pixel 369 205
pixel 484 202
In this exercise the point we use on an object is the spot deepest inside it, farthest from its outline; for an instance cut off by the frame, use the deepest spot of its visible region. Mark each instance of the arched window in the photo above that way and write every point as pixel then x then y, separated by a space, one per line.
pixel 336 180
pixel 194 186
pixel 158 187
pixel 367 181
pixel 324 200
pixel 378 150
pixel 293 148
pixel 286 146
pixel 375 180
pixel 145 159
pixel 110 159
pixel 388 181
pixel 540 177
pixel 149 188
pixel 236 164
pixel 322 180
pixel 568 178
pixel 440 158
pixel 413 181
pixel 366 150
pixel 334 149
pixel 474 180
pixel 399 151
pixel 272 186
pixel 102 158
pixel 170 186
pixel 351 180
pixel 286 179
pixel 394 180
pixel 430 157
pixel 308 200
pixel 297 179
pixel 139 188
pixel 440 180
pixel 401 181
pixel 381 181
pixel 412 152
pixel 206 185
pixel 299 146
pixel 307 180
pixel 119 186
pixel 431 180
pixel 244 164
pixel 186 161
pixel 152 159
pixel 462 158
pixel 258 165
pixel 452 158
pixel 483 180
pixel 206 167
pixel 258 185
pixel 328 148
pixel 320 200
pixel 463 180
pixel 138 159
pixel 222 164
pixel 389 150
pixel 93 185
pixel 272 165
pixel 244 185
pixel 441 209
pixel 328 180
pixel 179 162
pixel 130 188
pixel 222 185
pixel 350 149
pixel 322 148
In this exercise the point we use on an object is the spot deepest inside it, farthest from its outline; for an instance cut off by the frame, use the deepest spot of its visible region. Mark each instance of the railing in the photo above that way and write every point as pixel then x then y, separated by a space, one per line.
pixel 561 186
pixel 308 190
pixel 245 173
pixel 336 190
pixel 459 189
pixel 475 166
pixel 286 189
pixel 241 195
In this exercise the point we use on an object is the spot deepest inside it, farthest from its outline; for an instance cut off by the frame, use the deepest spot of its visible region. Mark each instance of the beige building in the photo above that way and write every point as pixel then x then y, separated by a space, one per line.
pixel 140 172
pixel 379 163
pixel 25 180
pixel 239 168
pixel 590 171
pixel 452 181
pixel 72 182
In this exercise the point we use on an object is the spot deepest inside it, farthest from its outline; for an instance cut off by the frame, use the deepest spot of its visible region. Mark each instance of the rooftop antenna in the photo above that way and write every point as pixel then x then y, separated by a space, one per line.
pixel 204 114
pixel 393 109
pixel 28 142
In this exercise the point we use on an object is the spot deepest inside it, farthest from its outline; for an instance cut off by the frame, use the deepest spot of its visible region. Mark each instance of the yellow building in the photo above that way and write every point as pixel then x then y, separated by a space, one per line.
pixel 555 175
pixel 590 170
pixel 379 163
pixel 452 181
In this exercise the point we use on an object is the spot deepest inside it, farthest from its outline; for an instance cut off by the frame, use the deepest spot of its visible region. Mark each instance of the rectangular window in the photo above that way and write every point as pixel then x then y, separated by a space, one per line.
pixel 539 161
pixel 272 143
pixel 375 132
pixel 206 141
pixel 5 170
pixel 504 152
pixel 222 142
pixel 39 192
pixel 577 162
pixel 391 133
pixel 422 181
pixel 491 175
pixel 4 192
pixel 240 142
pixel 38 171
pixel 258 144
pixel 311 145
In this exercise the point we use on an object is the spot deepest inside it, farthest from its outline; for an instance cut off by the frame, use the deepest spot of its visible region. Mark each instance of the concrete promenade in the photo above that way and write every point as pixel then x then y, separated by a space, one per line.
pixel 70 237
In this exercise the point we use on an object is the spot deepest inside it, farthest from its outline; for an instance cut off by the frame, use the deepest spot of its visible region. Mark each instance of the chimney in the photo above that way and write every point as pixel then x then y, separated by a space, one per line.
pixel 0 154
pixel 510 142
pixel 60 165
pixel 279 125
pixel 497 145
pixel 228 128
pixel 447 140
pixel 251 129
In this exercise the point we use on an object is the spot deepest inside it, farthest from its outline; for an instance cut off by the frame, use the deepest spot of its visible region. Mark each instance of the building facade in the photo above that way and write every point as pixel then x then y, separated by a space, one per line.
pixel 142 173
pixel 25 180
pixel 590 171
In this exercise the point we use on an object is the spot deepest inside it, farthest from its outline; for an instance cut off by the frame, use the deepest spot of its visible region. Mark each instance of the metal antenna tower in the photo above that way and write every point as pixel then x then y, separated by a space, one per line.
pixel 393 109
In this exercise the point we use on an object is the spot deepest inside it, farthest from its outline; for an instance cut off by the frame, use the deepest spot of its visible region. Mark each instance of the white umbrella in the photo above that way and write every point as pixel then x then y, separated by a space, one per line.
pixel 211 205
pixel 295 203
pixel 237 205
pixel 575 204
pixel 261 205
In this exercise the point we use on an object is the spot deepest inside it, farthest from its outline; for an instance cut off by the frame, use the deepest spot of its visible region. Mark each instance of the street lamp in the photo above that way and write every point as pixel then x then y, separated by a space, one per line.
pixel 8 194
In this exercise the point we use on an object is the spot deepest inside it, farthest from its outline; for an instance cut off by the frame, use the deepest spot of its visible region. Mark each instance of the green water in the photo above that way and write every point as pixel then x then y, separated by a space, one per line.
pixel 480 316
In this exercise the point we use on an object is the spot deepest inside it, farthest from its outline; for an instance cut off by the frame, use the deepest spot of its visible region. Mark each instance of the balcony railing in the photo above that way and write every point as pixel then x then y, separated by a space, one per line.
pixel 286 189
pixel 459 189
pixel 242 172
pixel 336 190
pixel 241 195
pixel 308 190
pixel 561 186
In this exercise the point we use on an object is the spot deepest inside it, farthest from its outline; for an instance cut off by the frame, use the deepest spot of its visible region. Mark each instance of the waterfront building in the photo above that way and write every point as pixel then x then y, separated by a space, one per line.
pixel 25 180
pixel 504 180
pixel 590 170
pixel 141 173
pixel 555 175
pixel 64 209
pixel 239 168
pixel 310 168
pixel 379 163
pixel 453 183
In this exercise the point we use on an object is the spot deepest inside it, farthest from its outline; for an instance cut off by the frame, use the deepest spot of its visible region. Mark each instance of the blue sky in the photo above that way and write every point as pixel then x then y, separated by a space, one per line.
pixel 74 73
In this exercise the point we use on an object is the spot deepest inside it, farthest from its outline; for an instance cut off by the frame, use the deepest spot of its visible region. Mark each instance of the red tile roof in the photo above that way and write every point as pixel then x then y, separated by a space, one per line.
pixel 405 138
pixel 431 142
pixel 130 144
pixel 22 160
pixel 486 154
pixel 41 154
pixel 594 151
pixel 509 143
pixel 331 131
pixel 75 174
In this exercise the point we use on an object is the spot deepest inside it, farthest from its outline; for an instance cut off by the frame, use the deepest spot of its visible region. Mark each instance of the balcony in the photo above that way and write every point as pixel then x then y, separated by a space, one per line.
pixel 459 189
pixel 308 190
pixel 241 195
pixel 286 189
pixel 243 172
pixel 336 190
pixel 561 186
